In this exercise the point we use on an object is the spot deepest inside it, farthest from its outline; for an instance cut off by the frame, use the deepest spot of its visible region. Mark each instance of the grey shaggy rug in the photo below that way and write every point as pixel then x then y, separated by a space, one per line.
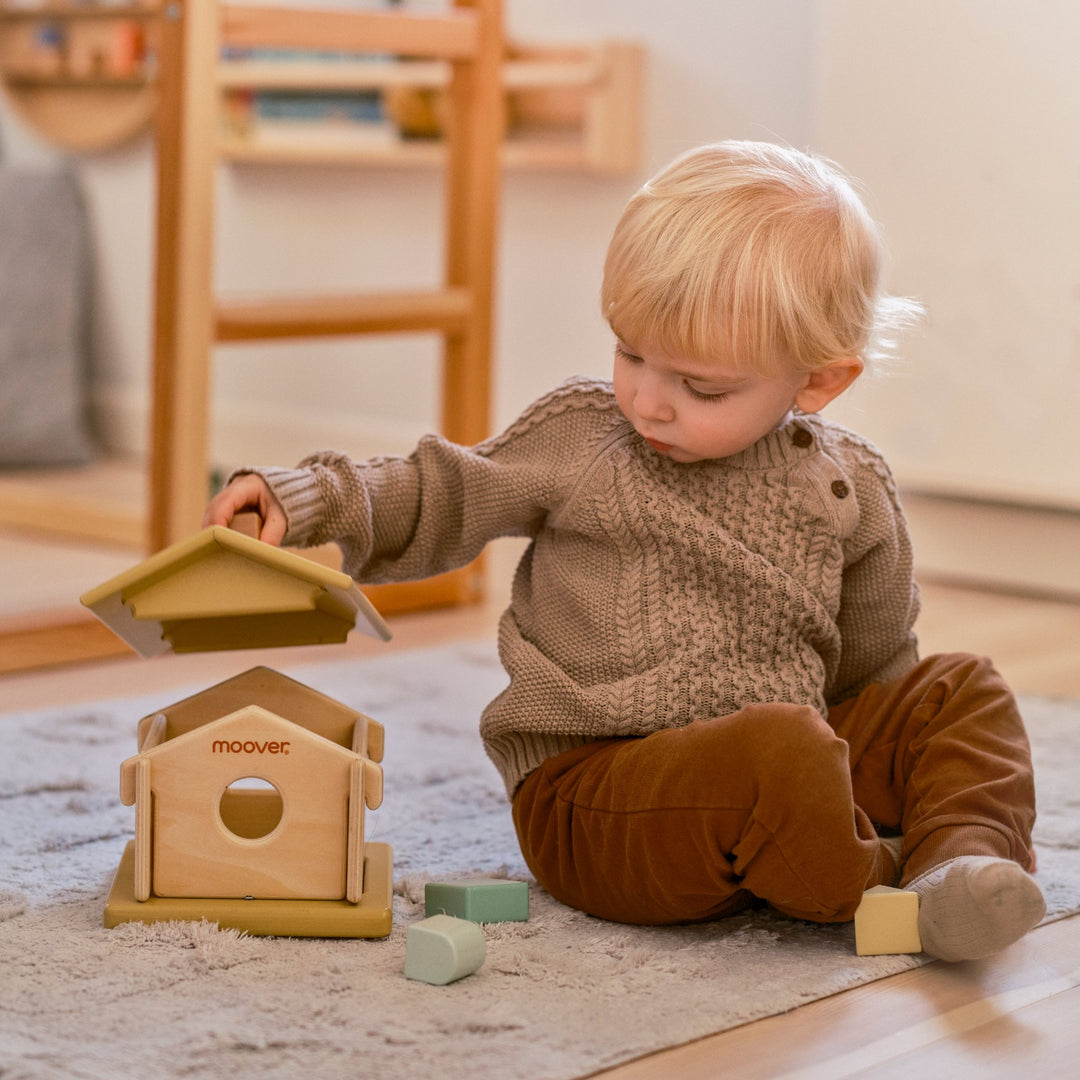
pixel 559 996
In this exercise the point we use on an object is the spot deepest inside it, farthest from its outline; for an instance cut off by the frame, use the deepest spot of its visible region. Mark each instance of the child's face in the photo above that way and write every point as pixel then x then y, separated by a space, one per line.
pixel 691 411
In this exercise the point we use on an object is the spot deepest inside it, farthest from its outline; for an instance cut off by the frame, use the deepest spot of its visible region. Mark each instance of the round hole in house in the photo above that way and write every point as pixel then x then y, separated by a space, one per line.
pixel 251 807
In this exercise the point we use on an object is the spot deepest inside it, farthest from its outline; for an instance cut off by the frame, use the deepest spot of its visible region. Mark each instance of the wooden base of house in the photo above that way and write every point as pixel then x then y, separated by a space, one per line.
pixel 372 917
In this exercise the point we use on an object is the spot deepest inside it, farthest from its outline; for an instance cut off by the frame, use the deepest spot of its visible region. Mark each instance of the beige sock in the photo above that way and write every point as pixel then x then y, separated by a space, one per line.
pixel 975 905
pixel 893 845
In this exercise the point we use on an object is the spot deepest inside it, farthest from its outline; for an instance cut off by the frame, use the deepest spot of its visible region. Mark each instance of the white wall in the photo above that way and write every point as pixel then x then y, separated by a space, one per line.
pixel 962 119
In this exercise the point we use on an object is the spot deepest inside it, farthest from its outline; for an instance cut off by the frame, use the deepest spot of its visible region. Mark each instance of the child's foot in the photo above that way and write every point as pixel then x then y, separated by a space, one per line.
pixel 975 905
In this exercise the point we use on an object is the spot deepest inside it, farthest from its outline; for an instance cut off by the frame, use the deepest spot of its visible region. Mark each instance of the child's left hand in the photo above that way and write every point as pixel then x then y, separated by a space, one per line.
pixel 248 492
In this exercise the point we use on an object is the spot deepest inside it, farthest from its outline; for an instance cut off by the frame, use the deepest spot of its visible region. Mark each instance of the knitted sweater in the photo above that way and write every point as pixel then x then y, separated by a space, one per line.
pixel 653 593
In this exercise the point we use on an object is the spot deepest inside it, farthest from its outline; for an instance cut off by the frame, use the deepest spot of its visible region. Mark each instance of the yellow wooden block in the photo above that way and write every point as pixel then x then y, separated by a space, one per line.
pixel 887 922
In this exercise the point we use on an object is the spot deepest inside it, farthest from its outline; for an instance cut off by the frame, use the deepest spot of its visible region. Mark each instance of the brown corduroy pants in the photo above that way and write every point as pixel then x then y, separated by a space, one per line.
pixel 776 803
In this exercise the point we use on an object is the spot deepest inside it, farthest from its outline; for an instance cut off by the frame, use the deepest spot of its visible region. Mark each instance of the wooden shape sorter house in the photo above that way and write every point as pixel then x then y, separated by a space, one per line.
pixel 249 809
pixel 250 796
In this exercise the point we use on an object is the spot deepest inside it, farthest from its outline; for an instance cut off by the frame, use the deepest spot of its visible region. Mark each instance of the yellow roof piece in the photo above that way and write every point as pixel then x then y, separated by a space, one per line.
pixel 220 589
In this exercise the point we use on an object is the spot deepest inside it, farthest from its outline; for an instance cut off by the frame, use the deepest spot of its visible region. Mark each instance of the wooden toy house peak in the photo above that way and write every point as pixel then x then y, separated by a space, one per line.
pixel 280 694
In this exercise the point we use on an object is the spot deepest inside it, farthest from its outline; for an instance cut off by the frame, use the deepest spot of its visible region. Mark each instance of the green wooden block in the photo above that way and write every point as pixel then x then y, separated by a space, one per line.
pixel 443 949
pixel 480 900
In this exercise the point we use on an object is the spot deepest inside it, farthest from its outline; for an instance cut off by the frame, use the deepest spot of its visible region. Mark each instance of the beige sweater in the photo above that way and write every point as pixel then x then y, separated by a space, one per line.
pixel 653 593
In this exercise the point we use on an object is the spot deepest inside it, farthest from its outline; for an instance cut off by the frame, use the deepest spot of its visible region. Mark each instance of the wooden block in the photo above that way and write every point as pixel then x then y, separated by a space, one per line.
pixel 442 949
pixel 249 523
pixel 887 922
pixel 479 900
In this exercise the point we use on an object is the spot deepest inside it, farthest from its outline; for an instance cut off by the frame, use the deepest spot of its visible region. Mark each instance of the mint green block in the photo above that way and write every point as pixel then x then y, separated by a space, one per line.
pixel 443 949
pixel 480 900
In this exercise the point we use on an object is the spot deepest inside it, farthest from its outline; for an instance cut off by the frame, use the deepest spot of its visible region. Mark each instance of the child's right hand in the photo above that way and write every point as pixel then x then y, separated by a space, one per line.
pixel 248 492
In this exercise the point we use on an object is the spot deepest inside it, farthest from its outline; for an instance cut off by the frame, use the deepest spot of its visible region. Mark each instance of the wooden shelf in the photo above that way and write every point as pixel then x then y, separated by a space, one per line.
pixel 533 153
pixel 567 108
pixel 64 11
pixel 81 74
pixel 584 69
pixel 32 80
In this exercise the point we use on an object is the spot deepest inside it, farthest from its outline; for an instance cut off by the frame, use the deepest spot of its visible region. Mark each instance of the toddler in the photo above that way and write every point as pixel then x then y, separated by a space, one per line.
pixel 715 698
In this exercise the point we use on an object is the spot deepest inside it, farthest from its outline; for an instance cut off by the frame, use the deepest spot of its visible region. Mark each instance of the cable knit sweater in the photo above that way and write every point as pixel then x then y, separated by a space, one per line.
pixel 653 593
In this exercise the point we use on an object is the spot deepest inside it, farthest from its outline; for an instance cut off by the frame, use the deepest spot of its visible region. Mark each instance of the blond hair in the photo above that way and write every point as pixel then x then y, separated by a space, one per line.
pixel 755 253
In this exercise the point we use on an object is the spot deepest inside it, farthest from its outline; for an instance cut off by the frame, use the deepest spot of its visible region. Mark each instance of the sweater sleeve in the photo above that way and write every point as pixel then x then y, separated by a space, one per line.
pixel 879 597
pixel 405 518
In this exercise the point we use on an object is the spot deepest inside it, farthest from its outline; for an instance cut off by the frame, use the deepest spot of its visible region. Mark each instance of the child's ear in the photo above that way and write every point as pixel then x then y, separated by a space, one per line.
pixel 827 383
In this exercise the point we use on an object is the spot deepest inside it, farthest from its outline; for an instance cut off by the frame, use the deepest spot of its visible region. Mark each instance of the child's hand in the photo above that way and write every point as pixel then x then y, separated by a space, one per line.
pixel 248 492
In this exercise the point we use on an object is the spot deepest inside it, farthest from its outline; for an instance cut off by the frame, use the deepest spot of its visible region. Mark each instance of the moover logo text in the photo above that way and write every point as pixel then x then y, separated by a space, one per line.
pixel 248 746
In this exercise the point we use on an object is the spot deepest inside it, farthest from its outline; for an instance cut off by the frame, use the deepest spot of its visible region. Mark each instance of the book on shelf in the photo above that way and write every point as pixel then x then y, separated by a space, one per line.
pixel 308 117
pixel 339 107
pixel 303 115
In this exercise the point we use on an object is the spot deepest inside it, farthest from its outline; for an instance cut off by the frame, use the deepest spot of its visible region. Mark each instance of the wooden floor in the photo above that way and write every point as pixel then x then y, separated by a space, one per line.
pixel 1013 1016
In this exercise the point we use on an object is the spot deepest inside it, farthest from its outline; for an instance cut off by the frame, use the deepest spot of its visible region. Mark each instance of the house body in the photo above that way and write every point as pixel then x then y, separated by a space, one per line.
pixel 255 788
